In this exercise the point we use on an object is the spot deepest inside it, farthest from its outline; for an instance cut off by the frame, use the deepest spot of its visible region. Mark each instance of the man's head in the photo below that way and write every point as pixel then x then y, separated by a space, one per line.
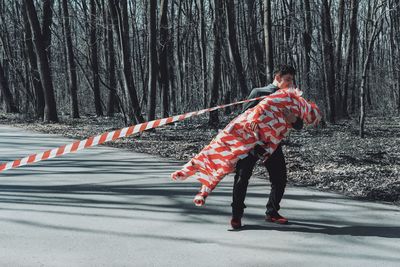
pixel 284 76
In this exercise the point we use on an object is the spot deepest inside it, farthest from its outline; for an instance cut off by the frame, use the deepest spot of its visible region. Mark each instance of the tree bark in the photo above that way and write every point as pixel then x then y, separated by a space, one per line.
pixel 376 28
pixel 349 54
pixel 112 80
pixel 255 45
pixel 394 7
pixel 151 104
pixel 47 20
pixel 164 47
pixel 338 60
pixel 120 22
pixel 50 111
pixel 203 53
pixel 6 93
pixel 328 61
pixel 72 78
pixel 33 67
pixel 269 55
pixel 94 58
pixel 218 13
pixel 234 47
pixel 307 38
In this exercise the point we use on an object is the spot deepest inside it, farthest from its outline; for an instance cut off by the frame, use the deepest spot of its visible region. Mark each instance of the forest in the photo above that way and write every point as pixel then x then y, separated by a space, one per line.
pixel 150 59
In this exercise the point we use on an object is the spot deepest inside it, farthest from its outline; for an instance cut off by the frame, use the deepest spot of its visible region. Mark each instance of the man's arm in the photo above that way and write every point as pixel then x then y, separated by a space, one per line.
pixel 253 94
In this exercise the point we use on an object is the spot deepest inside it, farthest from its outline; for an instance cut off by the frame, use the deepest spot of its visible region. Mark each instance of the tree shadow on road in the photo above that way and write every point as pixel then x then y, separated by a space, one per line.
pixel 323 228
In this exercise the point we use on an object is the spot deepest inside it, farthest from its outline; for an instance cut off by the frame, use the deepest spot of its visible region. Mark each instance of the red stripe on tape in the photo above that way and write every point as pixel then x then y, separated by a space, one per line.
pixel 116 135
pixel 46 155
pixel 75 146
pixel 60 150
pixel 16 163
pixel 89 141
pixel 31 158
pixel 103 138
pixel 143 127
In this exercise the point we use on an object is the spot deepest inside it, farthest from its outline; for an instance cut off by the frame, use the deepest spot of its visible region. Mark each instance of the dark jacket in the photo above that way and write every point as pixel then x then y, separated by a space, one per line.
pixel 263 91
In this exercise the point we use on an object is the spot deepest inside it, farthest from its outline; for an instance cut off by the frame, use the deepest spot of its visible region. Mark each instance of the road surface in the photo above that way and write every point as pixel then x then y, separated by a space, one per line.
pixel 113 207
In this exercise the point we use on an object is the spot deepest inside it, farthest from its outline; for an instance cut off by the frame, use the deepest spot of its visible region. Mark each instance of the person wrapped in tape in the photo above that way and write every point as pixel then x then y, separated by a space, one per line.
pixel 265 125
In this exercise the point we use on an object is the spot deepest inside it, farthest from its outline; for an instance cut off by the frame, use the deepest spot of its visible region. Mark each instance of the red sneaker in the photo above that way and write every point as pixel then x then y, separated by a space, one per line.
pixel 236 223
pixel 276 218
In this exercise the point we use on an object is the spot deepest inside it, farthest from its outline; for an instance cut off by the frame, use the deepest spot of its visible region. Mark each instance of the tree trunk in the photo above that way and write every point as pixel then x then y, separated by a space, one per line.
pixel 47 20
pixel 307 38
pixel 164 47
pixel 50 111
pixel 34 72
pixel 394 6
pixel 255 45
pixel 120 22
pixel 94 58
pixel 349 54
pixel 112 81
pixel 72 78
pixel 376 28
pixel 338 60
pixel 6 93
pixel 328 59
pixel 203 52
pixel 151 104
pixel 234 46
pixel 218 13
pixel 268 40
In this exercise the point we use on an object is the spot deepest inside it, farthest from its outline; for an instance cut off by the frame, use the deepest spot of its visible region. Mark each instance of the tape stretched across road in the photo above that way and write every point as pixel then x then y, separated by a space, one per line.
pixel 109 136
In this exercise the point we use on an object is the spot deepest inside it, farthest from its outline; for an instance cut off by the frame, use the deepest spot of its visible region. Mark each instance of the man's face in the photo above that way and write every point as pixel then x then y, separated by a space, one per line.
pixel 284 81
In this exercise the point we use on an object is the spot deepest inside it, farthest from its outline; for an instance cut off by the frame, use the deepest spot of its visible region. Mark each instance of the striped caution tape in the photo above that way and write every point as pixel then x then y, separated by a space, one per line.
pixel 109 136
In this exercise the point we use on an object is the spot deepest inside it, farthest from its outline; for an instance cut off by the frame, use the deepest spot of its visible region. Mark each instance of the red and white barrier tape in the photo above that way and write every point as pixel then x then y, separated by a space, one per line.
pixel 109 136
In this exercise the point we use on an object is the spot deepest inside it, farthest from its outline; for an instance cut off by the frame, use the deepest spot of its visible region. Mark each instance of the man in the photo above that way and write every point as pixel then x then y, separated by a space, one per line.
pixel 265 125
pixel 276 166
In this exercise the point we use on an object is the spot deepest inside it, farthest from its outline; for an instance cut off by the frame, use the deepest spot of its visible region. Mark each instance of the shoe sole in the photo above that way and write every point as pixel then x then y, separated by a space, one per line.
pixel 277 222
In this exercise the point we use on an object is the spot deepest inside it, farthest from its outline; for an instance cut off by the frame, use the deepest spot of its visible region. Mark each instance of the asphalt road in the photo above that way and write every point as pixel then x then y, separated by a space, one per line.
pixel 113 207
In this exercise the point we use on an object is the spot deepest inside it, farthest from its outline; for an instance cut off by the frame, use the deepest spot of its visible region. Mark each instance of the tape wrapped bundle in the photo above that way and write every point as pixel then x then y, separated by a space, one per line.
pixel 237 139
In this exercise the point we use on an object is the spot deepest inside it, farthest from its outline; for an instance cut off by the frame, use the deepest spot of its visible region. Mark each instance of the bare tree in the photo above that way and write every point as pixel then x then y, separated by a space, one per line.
pixel 350 53
pixel 203 52
pixel 119 13
pixel 6 93
pixel 377 17
pixel 153 68
pixel 33 67
pixel 39 40
pixel 256 48
pixel 164 47
pixel 112 79
pixel 72 78
pixel 94 58
pixel 328 60
pixel 234 46
pixel 268 40
pixel 338 59
pixel 218 13
pixel 307 40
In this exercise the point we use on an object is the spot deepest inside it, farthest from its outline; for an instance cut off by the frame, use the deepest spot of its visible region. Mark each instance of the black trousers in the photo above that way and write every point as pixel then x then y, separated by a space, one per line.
pixel 276 167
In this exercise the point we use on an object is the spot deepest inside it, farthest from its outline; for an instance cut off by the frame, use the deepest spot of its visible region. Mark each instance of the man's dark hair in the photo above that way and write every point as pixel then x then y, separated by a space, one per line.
pixel 284 69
